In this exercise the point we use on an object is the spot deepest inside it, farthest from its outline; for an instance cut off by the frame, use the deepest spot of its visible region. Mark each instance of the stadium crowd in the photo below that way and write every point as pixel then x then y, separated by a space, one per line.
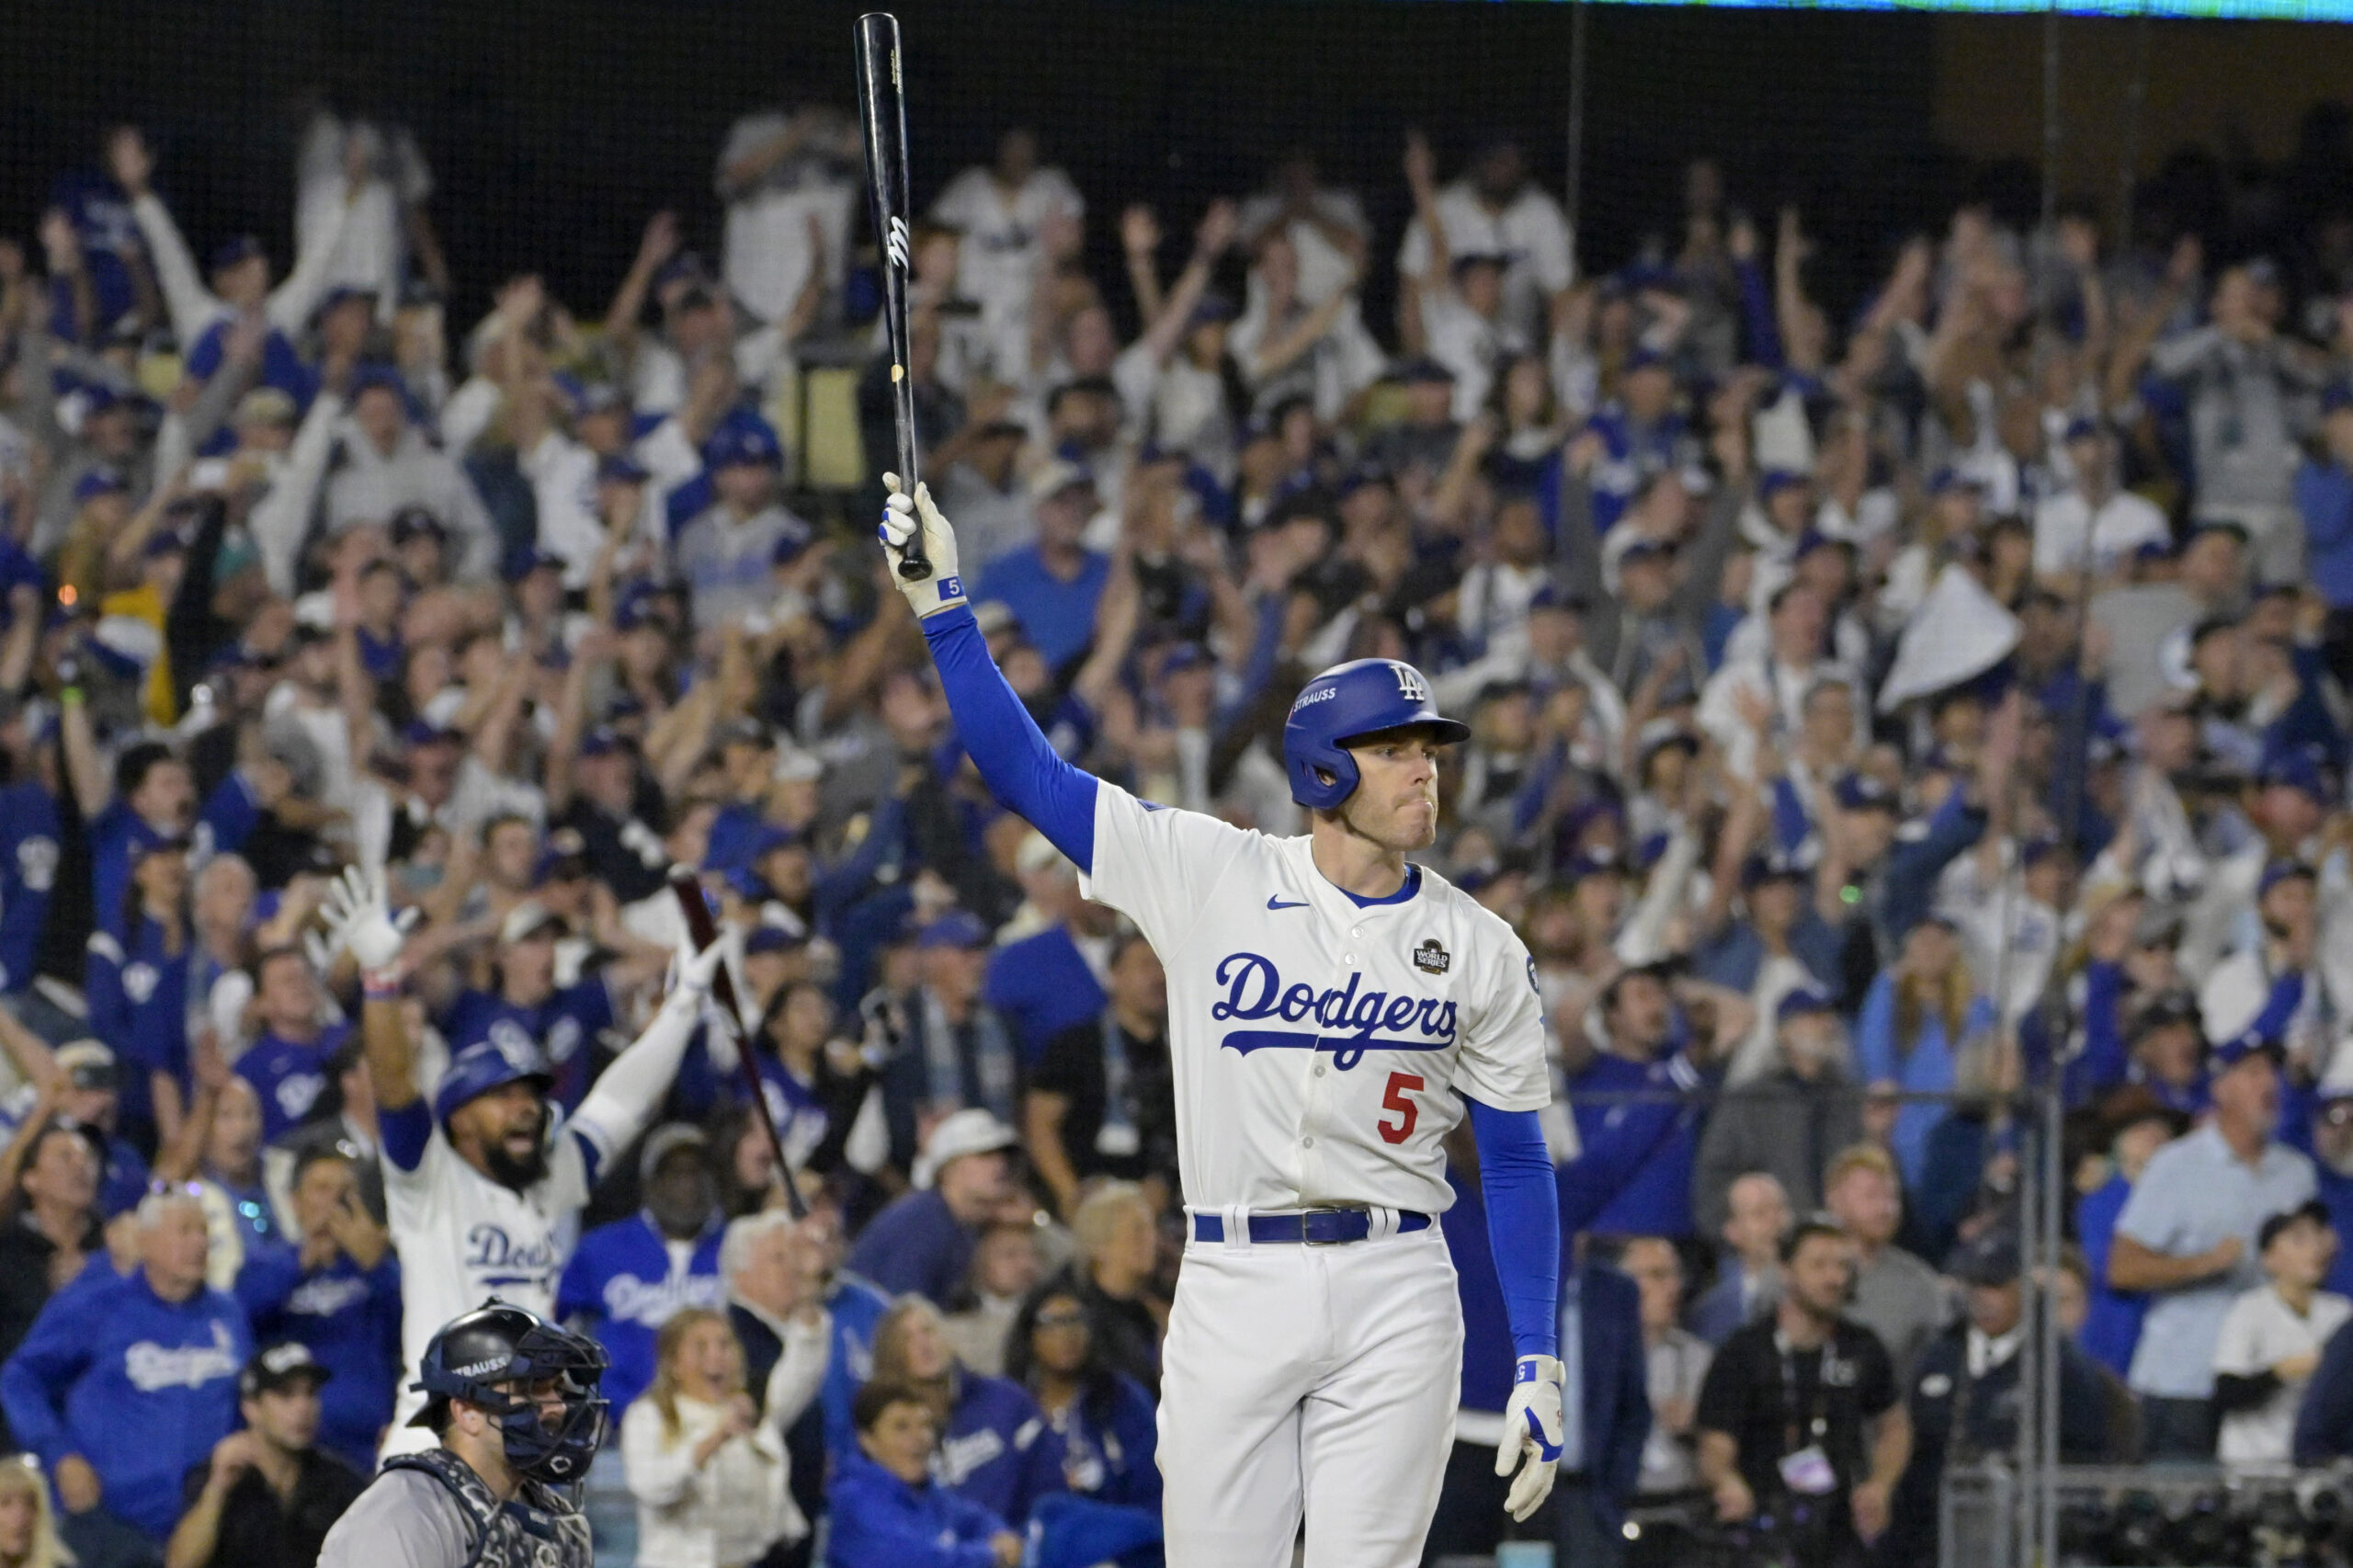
pixel 1881 719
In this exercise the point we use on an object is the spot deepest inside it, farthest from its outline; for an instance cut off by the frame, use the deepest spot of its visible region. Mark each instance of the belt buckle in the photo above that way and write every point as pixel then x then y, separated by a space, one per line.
pixel 1306 1235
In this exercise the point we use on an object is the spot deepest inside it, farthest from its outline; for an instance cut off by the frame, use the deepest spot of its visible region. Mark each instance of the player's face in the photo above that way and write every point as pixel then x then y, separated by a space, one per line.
pixel 506 1127
pixel 1395 801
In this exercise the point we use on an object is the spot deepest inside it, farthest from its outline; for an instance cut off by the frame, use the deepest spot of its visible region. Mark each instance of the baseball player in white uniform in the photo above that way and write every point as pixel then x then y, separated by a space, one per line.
pixel 485 1184
pixel 1334 1011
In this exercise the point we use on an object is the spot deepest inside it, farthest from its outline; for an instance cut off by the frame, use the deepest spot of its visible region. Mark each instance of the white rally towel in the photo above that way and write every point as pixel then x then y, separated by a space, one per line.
pixel 1959 631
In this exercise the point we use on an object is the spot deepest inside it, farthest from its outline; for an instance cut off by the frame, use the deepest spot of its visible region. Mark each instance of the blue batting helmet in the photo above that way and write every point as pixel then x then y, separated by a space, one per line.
pixel 507 1056
pixel 498 1344
pixel 1344 704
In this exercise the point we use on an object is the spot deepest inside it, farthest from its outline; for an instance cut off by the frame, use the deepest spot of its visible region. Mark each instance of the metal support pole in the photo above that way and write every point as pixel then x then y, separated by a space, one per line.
pixel 1573 192
pixel 2136 99
pixel 2050 116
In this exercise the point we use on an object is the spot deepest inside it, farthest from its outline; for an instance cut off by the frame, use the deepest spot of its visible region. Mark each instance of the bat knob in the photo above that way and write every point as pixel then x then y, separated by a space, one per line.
pixel 913 571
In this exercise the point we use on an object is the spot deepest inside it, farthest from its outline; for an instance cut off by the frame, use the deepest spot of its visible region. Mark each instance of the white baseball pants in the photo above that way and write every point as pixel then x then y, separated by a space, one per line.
pixel 1321 1380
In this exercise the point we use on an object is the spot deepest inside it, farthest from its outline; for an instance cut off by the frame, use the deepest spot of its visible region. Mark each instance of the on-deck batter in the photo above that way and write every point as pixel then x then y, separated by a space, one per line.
pixel 1332 1011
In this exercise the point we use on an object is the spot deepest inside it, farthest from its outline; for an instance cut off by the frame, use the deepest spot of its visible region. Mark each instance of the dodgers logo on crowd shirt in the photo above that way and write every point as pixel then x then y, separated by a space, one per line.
pixel 1254 989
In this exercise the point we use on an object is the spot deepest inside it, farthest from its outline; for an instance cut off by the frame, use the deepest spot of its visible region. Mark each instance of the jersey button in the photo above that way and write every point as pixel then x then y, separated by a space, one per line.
pixel 1319 1070
pixel 1356 932
pixel 1347 958
pixel 1307 1142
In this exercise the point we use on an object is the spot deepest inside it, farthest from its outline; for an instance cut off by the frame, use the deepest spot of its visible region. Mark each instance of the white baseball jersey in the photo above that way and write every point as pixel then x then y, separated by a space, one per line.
pixel 1314 1041
pixel 462 1237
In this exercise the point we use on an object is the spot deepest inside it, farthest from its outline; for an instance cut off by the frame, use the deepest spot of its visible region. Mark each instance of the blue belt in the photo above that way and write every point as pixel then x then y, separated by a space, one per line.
pixel 1316 1228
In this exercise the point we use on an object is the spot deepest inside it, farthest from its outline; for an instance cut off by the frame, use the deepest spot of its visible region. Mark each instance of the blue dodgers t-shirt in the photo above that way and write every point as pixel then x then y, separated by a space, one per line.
pixel 626 1281
pixel 289 1078
pixel 565 1026
pixel 28 852
pixel 1058 616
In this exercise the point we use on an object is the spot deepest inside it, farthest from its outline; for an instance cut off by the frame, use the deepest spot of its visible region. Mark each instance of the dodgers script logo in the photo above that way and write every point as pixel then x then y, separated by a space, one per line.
pixel 1254 989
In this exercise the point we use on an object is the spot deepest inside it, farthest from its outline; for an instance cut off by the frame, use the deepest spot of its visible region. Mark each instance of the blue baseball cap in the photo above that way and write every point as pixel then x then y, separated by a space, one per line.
pixel 1423 370
pixel 1948 480
pixel 533 560
pixel 956 928
pixel 507 1057
pixel 1598 864
pixel 2294 770
pixel 602 741
pixel 2228 1053
pixel 376 376
pixel 1771 868
pixel 620 469
pixel 2335 396
pixel 241 247
pixel 768 938
pixel 1863 792
pixel 2281 870
pixel 99 482
pixel 425 732
pixel 744 440
pixel 1777 479
pixel 770 838
pixel 792 544
pixel 1799 1001
pixel 2083 428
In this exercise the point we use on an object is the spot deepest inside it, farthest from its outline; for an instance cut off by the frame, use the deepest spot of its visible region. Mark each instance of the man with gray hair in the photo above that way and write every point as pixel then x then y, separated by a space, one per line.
pixel 125 1383
pixel 787 1293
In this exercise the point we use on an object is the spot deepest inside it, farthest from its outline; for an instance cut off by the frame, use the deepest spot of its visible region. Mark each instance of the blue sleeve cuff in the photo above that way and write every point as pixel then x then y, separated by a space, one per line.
pixel 405 1133
pixel 1523 1224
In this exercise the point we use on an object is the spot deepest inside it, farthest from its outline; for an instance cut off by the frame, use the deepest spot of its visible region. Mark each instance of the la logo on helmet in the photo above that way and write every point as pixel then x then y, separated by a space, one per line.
pixel 1410 685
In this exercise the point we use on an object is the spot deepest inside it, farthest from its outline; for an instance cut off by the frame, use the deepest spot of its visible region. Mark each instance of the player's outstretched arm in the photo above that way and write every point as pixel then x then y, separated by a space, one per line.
pixel 1005 742
pixel 1524 1232
pixel 359 918
pixel 627 1093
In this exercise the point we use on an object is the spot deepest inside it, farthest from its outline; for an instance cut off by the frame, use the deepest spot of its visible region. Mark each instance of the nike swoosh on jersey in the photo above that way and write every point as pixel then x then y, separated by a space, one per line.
pixel 1273 903
pixel 1345 1050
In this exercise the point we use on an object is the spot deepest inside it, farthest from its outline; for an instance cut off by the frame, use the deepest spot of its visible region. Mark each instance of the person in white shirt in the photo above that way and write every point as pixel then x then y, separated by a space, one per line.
pixel 1004 211
pixel 1494 209
pixel 1764 698
pixel 1326 226
pixel 1454 311
pixel 2094 526
pixel 387 224
pixel 2271 1339
pixel 775 173
pixel 708 1471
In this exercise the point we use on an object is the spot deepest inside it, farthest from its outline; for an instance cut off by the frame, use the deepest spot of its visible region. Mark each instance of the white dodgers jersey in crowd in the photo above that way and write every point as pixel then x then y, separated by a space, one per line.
pixel 1316 1044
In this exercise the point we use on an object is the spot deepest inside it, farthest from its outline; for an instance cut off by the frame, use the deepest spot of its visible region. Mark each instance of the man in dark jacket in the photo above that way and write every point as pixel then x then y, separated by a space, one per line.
pixel 1789 1122
pixel 1965 1396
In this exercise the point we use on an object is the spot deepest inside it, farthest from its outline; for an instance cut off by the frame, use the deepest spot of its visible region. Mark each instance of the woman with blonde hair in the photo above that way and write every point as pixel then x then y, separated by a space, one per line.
pixel 711 1478
pixel 1927 1028
pixel 27 1528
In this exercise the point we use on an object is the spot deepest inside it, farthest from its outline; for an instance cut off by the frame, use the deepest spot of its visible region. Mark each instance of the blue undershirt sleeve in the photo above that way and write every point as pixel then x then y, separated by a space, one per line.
pixel 1005 743
pixel 1523 1224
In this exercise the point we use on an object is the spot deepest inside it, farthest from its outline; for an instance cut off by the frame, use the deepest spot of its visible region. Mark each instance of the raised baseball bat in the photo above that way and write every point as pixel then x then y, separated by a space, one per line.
pixel 704 929
pixel 882 116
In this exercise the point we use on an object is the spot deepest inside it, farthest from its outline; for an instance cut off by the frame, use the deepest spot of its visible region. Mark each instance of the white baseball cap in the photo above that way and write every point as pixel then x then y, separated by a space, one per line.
pixel 965 1133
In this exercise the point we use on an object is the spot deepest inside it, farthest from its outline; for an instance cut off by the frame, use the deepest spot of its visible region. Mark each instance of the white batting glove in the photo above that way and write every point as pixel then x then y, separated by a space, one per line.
pixel 1531 1433
pixel 902 514
pixel 691 977
pixel 361 919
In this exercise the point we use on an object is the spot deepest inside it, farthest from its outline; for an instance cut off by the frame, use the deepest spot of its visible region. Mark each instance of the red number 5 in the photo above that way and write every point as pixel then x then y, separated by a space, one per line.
pixel 1400 1086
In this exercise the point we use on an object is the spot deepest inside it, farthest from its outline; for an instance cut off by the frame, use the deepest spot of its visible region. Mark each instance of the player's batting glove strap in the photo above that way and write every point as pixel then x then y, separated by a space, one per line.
pixel 1531 1441
pixel 902 514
